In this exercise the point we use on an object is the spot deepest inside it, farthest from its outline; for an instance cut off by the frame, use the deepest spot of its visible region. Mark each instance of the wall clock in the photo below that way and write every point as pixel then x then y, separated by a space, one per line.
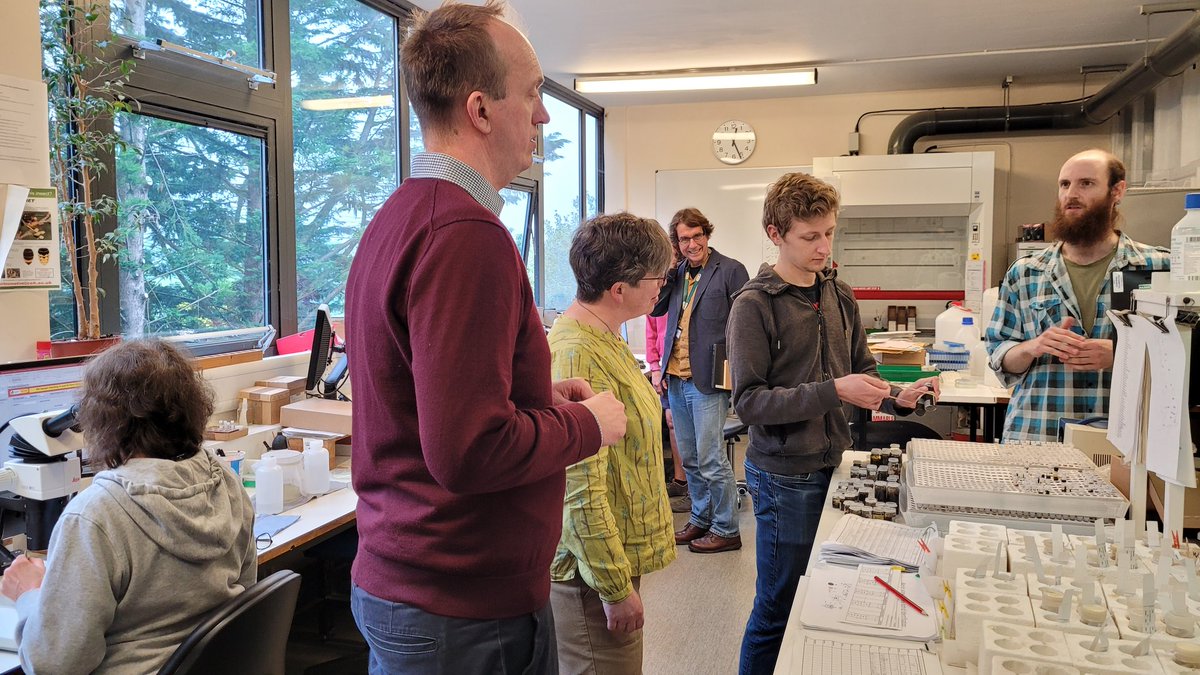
pixel 733 142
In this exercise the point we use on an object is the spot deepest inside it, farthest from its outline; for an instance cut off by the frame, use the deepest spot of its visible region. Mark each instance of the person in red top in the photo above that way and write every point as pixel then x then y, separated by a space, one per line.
pixel 461 440
pixel 677 490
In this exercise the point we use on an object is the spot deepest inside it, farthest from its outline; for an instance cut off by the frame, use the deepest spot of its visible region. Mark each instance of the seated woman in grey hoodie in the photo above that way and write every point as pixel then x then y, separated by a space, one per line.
pixel 158 540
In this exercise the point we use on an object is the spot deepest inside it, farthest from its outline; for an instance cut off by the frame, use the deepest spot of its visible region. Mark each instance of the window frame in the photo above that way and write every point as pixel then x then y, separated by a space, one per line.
pixel 181 89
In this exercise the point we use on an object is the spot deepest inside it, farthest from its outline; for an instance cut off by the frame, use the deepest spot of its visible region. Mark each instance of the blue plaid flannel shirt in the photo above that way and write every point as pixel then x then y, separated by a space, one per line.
pixel 1036 294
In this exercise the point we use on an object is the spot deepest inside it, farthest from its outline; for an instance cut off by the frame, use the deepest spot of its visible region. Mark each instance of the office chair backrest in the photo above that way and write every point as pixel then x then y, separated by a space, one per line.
pixel 247 634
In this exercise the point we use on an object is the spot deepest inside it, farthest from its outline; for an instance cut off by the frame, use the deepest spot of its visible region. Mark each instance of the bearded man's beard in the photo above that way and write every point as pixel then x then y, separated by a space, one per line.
pixel 1090 226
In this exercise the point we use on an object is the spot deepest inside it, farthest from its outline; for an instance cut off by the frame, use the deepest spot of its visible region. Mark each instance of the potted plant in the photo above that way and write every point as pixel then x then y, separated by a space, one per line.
pixel 85 94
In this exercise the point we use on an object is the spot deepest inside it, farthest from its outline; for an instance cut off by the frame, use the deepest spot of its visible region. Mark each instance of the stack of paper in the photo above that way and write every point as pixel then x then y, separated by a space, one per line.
pixel 849 600
pixel 856 541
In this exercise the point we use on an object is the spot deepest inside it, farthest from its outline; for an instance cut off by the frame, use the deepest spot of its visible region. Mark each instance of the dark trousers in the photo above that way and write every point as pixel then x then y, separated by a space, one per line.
pixel 787 510
pixel 404 639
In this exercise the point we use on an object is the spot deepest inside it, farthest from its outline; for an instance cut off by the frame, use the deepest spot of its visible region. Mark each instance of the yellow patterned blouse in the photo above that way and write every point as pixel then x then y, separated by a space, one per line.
pixel 616 518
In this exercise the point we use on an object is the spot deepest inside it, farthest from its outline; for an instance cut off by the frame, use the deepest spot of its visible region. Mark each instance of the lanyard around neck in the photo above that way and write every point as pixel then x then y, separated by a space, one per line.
pixel 690 289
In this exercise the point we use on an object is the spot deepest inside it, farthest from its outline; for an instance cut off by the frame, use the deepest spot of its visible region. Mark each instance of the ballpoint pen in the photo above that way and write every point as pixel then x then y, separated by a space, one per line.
pixel 900 595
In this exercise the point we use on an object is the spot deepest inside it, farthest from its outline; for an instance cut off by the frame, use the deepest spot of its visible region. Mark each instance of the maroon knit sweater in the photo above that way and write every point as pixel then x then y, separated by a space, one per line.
pixel 458 452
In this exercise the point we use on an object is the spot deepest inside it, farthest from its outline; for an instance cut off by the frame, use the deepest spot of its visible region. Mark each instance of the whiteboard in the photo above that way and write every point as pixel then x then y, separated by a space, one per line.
pixel 732 200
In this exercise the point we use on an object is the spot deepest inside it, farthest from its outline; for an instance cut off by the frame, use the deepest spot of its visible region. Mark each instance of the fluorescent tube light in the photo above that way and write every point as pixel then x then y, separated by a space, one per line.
pixel 696 80
pixel 346 103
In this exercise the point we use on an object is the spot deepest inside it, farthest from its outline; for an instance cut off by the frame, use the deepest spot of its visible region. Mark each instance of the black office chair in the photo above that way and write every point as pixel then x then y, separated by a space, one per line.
pixel 732 432
pixel 247 634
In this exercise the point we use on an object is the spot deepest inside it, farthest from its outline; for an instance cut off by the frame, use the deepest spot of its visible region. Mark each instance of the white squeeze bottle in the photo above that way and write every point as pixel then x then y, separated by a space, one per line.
pixel 268 487
pixel 316 467
pixel 1185 242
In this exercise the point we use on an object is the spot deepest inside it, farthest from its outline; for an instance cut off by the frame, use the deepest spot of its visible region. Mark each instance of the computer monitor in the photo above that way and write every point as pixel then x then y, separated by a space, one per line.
pixel 324 344
pixel 29 387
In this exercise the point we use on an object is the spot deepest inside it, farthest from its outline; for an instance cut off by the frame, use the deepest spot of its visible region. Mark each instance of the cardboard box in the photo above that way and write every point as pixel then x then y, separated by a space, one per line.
pixel 1154 495
pixel 264 403
pixel 916 358
pixel 293 383
pixel 318 413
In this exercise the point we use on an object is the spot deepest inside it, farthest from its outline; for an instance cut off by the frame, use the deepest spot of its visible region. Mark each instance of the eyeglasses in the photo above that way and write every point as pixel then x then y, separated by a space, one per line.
pixel 699 239
pixel 660 280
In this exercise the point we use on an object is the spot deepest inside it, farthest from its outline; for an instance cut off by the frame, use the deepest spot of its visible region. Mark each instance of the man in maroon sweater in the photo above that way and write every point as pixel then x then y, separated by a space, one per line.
pixel 460 437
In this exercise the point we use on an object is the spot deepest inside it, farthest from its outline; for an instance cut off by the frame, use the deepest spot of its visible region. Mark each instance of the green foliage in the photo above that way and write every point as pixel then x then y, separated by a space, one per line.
pixel 85 91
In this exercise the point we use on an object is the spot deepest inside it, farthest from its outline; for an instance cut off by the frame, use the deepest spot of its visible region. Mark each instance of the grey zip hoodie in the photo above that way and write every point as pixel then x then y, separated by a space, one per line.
pixel 784 355
pixel 137 560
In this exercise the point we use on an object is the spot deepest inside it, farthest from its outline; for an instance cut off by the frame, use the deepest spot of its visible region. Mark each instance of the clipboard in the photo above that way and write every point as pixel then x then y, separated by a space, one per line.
pixel 721 378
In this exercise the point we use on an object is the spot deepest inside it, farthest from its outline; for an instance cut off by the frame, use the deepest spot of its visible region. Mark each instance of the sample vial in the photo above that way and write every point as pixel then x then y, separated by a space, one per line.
pixel 1093 615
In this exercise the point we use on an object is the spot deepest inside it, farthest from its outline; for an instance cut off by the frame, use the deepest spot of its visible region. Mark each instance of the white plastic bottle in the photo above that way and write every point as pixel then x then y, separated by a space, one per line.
pixel 268 487
pixel 1185 242
pixel 968 335
pixel 948 323
pixel 316 467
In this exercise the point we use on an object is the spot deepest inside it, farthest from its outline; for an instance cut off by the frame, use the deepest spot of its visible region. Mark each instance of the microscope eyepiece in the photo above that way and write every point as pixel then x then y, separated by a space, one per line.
pixel 55 426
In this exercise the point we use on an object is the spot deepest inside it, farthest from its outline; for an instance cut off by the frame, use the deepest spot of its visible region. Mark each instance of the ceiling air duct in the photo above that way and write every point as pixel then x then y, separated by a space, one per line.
pixel 1169 59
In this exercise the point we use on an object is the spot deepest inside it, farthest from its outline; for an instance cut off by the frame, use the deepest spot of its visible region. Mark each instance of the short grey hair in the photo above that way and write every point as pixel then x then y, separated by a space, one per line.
pixel 614 248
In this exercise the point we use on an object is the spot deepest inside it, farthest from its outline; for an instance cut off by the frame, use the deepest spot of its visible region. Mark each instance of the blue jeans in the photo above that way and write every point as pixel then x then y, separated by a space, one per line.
pixel 699 424
pixel 786 511
pixel 405 639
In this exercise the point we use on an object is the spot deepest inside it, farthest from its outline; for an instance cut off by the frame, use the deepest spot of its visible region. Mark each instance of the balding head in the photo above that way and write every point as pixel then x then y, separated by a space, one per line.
pixel 1114 168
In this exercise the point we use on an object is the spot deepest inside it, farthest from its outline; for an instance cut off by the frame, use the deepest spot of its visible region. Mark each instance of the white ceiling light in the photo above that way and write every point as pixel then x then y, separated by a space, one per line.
pixel 346 103
pixel 691 80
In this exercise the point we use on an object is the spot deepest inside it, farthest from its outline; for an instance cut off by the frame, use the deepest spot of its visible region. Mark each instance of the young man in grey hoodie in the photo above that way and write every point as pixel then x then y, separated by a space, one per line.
pixel 797 352
pixel 157 541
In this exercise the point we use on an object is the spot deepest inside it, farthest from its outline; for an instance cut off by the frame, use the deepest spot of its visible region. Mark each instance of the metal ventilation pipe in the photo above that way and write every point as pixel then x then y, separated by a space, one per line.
pixel 1168 59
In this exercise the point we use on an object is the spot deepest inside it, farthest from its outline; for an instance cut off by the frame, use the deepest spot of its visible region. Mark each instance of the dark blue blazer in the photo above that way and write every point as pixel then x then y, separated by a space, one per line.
pixel 721 277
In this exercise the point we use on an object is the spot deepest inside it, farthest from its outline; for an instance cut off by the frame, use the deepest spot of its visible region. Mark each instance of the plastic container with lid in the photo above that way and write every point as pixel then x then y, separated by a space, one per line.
pixel 316 467
pixel 1185 242
pixel 948 324
pixel 268 490
pixel 291 467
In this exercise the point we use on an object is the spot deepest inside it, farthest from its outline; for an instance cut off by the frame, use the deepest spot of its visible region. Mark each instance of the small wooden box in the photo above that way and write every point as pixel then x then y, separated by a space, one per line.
pixel 212 434
pixel 264 403
pixel 293 383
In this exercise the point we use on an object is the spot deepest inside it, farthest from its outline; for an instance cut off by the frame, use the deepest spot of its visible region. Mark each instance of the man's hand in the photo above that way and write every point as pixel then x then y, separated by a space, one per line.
pixel 574 389
pixel 863 391
pixel 1093 354
pixel 625 616
pixel 610 413
pixel 25 574
pixel 656 381
pixel 913 392
pixel 1059 341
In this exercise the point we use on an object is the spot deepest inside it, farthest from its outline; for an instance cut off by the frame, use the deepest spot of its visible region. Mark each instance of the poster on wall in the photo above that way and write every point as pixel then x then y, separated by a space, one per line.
pixel 33 260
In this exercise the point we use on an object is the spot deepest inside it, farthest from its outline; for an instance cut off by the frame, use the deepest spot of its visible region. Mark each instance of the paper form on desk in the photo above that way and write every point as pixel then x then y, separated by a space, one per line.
pixel 1168 433
pixel 848 600
pixel 833 654
pixel 857 540
pixel 1125 396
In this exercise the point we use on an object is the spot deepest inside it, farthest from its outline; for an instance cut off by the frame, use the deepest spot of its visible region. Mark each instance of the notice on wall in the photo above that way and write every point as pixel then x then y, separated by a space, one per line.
pixel 33 259
pixel 24 132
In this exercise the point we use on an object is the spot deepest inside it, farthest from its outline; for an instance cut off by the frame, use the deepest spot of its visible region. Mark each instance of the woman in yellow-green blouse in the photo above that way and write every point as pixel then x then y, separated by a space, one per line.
pixel 616 518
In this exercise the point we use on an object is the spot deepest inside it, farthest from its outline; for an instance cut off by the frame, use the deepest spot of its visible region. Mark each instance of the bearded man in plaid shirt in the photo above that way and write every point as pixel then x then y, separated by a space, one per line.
pixel 1049 336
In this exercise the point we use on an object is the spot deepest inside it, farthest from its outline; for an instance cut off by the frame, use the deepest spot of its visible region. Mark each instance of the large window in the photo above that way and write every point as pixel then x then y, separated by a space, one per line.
pixel 572 174
pixel 191 227
pixel 241 202
pixel 226 29
pixel 344 93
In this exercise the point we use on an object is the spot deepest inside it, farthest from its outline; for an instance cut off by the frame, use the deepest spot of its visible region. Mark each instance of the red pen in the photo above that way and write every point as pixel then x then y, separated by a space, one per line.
pixel 924 546
pixel 900 595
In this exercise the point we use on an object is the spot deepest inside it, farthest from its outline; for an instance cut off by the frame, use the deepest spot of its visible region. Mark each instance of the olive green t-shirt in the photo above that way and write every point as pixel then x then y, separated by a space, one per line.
pixel 1087 280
